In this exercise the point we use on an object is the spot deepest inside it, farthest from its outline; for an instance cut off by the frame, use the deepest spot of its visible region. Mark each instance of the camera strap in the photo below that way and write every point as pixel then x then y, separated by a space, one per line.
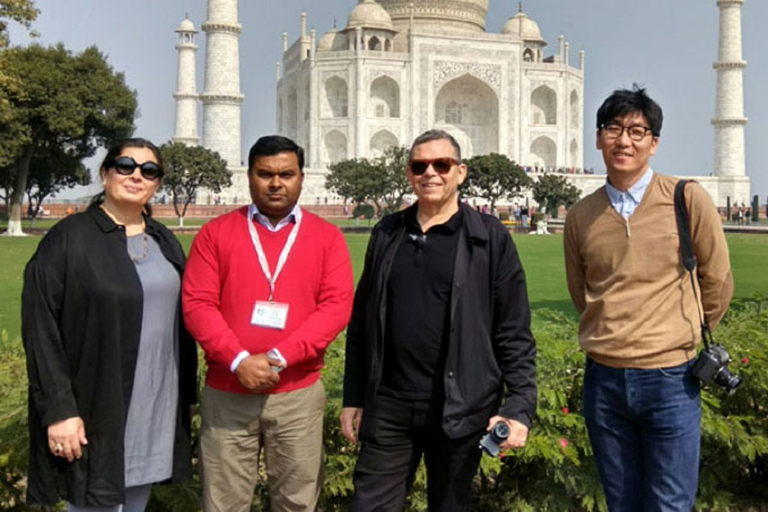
pixel 686 253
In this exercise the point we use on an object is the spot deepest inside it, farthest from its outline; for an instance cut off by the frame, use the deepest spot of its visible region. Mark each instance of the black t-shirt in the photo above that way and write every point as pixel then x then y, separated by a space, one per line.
pixel 418 304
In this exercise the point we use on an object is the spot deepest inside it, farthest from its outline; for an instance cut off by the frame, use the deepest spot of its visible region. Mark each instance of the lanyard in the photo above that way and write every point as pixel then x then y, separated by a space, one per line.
pixel 263 257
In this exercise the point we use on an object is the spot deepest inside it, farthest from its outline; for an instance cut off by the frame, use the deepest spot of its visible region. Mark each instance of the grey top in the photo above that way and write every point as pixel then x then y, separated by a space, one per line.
pixel 151 422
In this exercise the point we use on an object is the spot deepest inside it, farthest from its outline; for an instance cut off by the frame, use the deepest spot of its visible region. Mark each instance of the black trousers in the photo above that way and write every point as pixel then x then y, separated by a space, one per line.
pixel 395 434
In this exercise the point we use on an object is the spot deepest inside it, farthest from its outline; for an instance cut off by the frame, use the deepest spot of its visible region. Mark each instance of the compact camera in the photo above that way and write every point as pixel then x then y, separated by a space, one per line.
pixel 711 367
pixel 491 441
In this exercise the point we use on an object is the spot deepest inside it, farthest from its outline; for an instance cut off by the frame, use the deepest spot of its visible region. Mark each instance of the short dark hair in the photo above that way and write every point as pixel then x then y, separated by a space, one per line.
pixel 624 102
pixel 270 145
pixel 435 134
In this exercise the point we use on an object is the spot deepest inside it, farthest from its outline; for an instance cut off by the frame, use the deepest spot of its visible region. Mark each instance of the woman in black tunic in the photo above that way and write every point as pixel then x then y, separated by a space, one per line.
pixel 112 372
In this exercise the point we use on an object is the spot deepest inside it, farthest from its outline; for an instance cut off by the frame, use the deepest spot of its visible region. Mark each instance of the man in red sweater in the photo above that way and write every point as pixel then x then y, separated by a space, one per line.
pixel 267 288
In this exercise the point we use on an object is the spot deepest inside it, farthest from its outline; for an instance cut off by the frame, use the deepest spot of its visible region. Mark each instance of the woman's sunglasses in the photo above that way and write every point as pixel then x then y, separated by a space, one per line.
pixel 440 165
pixel 125 165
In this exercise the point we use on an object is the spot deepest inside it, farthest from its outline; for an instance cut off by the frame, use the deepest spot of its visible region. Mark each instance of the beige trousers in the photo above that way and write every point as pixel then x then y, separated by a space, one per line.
pixel 288 427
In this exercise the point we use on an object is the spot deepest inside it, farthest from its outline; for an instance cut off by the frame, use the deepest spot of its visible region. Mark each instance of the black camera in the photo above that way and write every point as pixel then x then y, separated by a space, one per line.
pixel 491 441
pixel 711 367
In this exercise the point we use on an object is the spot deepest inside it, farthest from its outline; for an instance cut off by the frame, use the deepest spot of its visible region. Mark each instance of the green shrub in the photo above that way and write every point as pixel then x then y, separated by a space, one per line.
pixel 365 211
pixel 554 472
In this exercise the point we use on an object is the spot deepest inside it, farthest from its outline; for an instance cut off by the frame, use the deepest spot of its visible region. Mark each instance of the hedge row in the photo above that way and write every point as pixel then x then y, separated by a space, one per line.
pixel 555 472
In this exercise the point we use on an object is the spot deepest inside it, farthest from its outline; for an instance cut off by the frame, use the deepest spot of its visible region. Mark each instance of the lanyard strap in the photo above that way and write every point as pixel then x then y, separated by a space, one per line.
pixel 252 211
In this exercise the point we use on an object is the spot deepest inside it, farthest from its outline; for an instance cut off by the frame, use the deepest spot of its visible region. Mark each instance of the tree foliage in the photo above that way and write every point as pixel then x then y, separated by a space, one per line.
pixel 381 181
pixel 52 171
pixel 20 11
pixel 190 168
pixel 494 177
pixel 71 104
pixel 553 191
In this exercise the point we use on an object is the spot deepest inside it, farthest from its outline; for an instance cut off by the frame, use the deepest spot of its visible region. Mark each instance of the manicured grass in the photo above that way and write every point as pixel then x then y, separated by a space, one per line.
pixel 542 258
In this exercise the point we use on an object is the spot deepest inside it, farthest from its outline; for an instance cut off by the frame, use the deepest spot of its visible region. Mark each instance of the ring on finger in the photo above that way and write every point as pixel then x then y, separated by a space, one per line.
pixel 58 448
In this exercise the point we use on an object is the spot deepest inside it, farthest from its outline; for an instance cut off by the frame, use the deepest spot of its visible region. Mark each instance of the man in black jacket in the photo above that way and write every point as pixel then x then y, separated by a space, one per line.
pixel 439 349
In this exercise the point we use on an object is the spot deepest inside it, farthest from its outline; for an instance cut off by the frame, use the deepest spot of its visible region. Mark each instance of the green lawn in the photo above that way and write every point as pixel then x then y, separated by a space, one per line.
pixel 542 258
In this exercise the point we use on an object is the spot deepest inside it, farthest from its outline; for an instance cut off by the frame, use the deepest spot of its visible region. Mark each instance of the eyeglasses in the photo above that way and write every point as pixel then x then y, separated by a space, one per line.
pixel 125 165
pixel 440 165
pixel 636 132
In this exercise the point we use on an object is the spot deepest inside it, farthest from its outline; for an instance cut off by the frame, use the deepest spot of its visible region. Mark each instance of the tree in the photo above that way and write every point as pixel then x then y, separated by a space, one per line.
pixel 187 169
pixel 391 167
pixel 74 103
pixel 494 177
pixel 353 179
pixel 20 11
pixel 381 182
pixel 50 172
pixel 23 12
pixel 553 191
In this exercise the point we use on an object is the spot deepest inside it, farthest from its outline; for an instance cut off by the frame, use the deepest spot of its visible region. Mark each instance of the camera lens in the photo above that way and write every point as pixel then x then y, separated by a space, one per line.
pixel 728 380
pixel 500 432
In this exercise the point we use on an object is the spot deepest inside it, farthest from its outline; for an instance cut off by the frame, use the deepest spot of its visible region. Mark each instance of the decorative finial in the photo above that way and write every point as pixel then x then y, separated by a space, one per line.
pixel 334 22
pixel 520 7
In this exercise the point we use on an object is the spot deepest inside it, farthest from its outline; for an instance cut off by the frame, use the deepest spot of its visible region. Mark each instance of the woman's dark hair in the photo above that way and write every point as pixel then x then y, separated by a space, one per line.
pixel 115 151
pixel 624 102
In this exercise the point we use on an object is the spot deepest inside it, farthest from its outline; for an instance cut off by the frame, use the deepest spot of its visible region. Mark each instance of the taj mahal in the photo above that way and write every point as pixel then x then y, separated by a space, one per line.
pixel 400 67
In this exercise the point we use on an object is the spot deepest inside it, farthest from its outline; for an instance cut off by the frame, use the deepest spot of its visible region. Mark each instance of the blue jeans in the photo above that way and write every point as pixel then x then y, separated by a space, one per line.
pixel 645 428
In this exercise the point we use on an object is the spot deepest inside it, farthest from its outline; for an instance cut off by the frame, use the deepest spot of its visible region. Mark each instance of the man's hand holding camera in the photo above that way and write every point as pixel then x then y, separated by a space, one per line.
pixel 503 434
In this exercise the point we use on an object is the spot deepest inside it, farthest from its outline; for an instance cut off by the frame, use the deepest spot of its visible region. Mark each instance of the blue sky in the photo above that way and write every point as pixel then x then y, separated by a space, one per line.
pixel 668 46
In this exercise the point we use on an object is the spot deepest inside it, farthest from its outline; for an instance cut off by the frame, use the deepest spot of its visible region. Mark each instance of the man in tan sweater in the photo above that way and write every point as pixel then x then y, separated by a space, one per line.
pixel 640 318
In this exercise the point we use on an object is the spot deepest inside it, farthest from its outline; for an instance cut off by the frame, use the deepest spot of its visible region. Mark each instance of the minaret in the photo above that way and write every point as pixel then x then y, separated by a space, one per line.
pixel 729 118
pixel 221 97
pixel 186 87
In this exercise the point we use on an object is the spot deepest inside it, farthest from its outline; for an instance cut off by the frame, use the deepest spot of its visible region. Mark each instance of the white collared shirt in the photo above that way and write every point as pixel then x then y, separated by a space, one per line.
pixel 293 216
pixel 627 202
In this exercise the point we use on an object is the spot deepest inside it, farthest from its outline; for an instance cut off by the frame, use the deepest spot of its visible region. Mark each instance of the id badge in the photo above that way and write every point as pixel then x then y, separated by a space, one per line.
pixel 270 314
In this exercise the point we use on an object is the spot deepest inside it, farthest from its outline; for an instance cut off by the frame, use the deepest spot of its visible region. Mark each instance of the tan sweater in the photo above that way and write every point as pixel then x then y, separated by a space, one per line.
pixel 637 305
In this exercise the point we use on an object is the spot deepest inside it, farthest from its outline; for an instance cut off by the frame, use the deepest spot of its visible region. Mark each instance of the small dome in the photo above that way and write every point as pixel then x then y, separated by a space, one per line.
pixel 524 27
pixel 333 40
pixel 186 26
pixel 369 14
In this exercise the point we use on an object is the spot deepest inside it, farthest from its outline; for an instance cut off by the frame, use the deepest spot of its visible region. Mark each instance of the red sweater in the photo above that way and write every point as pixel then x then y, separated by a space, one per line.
pixel 223 280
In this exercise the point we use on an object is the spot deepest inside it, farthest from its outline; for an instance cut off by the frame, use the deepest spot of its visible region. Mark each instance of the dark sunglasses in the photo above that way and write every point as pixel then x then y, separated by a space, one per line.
pixel 440 165
pixel 125 165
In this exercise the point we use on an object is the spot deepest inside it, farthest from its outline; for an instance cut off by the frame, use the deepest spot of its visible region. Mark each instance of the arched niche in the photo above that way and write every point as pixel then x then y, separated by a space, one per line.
pixel 335 145
pixel 336 101
pixel 574 153
pixel 293 112
pixel 374 43
pixel 573 104
pixel 468 109
pixel 543 105
pixel 385 98
pixel 528 55
pixel 382 141
pixel 543 152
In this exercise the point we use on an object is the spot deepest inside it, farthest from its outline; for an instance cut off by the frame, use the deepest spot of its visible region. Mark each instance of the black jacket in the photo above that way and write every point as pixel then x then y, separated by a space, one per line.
pixel 81 322
pixel 491 352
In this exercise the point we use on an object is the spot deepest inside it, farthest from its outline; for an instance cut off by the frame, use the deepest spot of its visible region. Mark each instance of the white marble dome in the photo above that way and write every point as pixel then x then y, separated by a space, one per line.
pixel 438 16
pixel 524 27
pixel 186 26
pixel 369 14
pixel 333 40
